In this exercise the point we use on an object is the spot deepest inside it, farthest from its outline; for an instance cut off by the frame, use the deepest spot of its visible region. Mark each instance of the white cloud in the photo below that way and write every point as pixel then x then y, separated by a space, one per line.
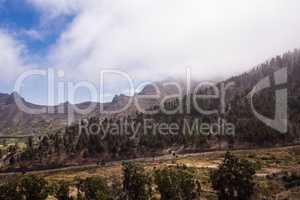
pixel 54 8
pixel 155 39
pixel 33 34
pixel 12 61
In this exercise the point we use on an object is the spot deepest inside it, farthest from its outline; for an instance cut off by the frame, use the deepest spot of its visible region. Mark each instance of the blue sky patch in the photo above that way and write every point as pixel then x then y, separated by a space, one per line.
pixel 18 14
pixel 24 21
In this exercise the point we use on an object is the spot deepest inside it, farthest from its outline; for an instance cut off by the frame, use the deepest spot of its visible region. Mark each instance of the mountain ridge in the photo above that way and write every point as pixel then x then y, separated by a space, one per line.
pixel 14 121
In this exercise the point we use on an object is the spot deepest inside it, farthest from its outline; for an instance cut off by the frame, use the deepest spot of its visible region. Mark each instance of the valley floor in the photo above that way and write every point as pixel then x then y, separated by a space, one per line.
pixel 271 164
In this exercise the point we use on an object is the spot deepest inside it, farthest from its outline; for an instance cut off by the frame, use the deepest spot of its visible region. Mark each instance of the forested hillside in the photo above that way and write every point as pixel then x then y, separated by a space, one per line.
pixel 79 143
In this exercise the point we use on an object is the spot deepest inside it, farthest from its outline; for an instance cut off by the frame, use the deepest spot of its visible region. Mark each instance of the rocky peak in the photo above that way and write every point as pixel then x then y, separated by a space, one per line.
pixel 13 97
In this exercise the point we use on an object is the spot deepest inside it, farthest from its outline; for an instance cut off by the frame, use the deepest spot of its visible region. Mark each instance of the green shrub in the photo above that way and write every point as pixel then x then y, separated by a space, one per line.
pixel 61 191
pixel 234 179
pixel 8 191
pixel 177 183
pixel 136 183
pixel 95 188
pixel 291 181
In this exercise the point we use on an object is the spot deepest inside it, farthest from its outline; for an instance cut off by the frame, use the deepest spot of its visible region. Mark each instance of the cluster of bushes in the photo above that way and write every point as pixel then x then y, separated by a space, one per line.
pixel 292 180
pixel 232 181
pixel 26 187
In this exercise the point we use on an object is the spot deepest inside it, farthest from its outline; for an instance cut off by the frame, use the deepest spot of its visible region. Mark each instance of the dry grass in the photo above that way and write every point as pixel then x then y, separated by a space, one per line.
pixel 268 162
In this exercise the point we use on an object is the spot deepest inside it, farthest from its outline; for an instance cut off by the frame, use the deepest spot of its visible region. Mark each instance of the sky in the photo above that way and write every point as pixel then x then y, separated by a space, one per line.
pixel 149 40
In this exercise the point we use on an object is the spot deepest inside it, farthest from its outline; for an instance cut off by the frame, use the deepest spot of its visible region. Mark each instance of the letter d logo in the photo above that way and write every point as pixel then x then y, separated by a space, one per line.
pixel 280 123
